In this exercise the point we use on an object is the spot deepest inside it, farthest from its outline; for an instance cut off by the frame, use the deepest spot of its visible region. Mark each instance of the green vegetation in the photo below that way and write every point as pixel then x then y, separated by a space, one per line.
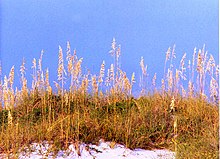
pixel 94 107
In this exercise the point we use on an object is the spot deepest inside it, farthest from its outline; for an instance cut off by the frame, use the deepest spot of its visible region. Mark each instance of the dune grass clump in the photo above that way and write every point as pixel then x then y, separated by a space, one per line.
pixel 91 107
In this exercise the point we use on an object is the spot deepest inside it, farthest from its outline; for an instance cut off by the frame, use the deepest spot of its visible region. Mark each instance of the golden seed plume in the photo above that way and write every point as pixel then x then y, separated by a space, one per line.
pixel 102 72
pixel 11 76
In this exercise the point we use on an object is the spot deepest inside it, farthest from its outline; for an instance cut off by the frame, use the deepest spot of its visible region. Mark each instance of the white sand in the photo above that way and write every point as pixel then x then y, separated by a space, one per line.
pixel 89 151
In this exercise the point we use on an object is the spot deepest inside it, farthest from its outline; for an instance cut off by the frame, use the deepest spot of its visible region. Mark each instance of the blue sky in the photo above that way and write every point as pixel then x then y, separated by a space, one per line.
pixel 142 27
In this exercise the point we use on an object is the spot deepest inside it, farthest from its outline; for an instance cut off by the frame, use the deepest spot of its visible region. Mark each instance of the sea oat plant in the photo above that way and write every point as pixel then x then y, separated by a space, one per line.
pixel 86 107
